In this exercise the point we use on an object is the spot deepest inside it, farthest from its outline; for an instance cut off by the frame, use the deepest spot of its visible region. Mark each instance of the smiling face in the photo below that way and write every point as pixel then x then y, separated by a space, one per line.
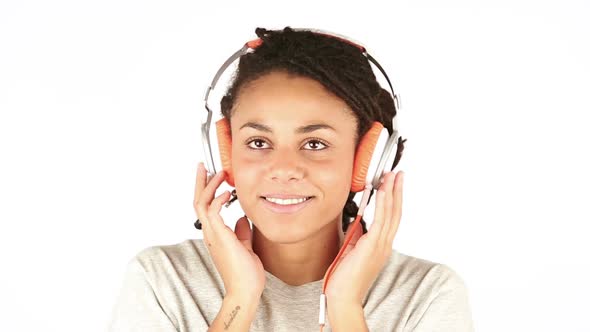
pixel 292 137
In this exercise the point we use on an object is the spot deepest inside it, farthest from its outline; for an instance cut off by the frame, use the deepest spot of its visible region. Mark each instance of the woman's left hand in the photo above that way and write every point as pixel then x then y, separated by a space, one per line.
pixel 366 254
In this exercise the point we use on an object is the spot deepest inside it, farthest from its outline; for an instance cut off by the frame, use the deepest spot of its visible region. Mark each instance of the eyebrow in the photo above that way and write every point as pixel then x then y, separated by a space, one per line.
pixel 300 130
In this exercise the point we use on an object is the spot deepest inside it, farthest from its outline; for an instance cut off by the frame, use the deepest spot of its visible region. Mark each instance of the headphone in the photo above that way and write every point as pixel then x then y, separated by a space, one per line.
pixel 376 153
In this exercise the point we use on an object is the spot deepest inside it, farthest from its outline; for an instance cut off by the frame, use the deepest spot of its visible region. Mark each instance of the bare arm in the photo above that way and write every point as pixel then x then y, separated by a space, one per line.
pixel 347 317
pixel 236 314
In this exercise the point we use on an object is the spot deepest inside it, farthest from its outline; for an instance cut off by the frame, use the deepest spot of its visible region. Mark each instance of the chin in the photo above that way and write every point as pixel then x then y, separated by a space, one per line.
pixel 285 228
pixel 283 236
pixel 276 230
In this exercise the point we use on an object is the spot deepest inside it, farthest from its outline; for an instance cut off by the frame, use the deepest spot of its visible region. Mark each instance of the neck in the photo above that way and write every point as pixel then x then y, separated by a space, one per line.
pixel 300 262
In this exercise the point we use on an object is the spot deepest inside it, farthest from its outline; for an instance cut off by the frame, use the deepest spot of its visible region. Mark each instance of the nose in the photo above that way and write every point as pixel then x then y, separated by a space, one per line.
pixel 285 166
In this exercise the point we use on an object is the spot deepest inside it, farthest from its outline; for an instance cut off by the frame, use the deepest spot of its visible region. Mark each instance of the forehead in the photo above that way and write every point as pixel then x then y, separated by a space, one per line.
pixel 279 99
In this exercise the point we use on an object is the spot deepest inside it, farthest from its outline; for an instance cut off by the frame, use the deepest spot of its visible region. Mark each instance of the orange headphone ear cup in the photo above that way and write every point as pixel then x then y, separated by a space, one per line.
pixel 363 155
pixel 224 142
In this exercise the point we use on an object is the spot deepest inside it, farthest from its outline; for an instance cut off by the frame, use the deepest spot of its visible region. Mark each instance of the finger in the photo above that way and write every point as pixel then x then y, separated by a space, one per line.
pixel 206 194
pixel 397 207
pixel 379 213
pixel 201 181
pixel 205 198
pixel 387 209
pixel 375 228
pixel 216 223
pixel 244 232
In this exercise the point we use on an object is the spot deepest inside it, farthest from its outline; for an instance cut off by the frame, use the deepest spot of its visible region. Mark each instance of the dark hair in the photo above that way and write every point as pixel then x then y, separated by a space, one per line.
pixel 338 66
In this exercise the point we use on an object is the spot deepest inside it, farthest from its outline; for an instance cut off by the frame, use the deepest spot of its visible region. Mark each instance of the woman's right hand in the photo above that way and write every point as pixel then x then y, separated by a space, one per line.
pixel 240 268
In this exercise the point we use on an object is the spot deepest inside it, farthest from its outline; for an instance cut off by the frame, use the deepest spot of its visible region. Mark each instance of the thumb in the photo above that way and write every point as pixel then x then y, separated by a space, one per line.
pixel 243 232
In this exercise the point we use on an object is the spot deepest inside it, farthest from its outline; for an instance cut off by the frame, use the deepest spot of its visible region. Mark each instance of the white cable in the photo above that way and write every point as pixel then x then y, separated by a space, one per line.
pixel 322 308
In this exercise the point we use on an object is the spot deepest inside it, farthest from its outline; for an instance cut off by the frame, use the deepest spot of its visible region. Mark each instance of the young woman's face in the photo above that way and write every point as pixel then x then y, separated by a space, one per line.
pixel 292 137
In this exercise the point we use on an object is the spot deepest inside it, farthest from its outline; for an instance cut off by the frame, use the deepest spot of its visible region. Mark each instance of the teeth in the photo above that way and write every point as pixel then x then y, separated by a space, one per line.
pixel 286 201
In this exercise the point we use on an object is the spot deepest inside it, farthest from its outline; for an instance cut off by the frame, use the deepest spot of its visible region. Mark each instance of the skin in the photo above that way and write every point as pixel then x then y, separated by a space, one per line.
pixel 297 248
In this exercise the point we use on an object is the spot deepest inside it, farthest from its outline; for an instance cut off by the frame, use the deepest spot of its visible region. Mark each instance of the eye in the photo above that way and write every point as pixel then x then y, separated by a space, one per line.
pixel 259 143
pixel 315 143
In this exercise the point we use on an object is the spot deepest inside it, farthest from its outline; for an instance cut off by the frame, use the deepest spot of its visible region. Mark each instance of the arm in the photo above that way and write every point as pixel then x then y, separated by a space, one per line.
pixel 236 314
pixel 137 307
pixel 347 317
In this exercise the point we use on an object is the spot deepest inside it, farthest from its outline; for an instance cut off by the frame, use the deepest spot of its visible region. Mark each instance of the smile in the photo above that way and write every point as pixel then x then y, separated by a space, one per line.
pixel 288 206
pixel 287 201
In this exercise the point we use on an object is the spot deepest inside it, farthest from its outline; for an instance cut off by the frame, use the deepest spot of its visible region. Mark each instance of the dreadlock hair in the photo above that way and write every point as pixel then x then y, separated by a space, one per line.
pixel 338 66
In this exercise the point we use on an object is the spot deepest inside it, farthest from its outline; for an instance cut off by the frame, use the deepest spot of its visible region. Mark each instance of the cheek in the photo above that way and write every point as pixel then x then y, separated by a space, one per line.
pixel 332 176
pixel 337 174
pixel 246 174
pixel 243 159
pixel 336 184
pixel 247 179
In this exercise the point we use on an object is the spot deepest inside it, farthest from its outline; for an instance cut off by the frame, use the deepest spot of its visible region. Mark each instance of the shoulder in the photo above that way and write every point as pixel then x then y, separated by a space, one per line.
pixel 184 258
pixel 165 284
pixel 423 272
pixel 186 249
pixel 432 294
pixel 417 281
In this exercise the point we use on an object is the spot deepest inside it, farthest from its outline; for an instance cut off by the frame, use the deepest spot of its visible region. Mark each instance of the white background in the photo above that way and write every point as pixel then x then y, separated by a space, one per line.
pixel 99 143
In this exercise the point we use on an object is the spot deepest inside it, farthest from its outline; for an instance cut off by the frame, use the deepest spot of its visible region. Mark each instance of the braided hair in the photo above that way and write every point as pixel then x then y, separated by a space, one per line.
pixel 339 66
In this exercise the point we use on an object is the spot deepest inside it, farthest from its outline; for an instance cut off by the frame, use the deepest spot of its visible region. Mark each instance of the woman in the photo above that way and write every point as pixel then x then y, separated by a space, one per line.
pixel 297 111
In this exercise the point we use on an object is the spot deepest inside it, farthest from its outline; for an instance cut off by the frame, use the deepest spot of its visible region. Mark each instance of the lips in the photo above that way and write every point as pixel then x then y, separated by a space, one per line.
pixel 284 196
pixel 287 209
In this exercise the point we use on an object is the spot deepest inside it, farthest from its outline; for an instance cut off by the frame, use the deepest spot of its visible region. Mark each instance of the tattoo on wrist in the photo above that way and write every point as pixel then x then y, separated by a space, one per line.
pixel 232 315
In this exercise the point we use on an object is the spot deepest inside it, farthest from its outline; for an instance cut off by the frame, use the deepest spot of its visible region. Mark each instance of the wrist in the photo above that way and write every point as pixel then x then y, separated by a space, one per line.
pixel 247 303
pixel 346 316
pixel 246 298
pixel 236 314
pixel 342 307
pixel 339 303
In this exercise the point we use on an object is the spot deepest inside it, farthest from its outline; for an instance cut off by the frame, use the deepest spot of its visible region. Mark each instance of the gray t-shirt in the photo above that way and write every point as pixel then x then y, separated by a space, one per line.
pixel 177 288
